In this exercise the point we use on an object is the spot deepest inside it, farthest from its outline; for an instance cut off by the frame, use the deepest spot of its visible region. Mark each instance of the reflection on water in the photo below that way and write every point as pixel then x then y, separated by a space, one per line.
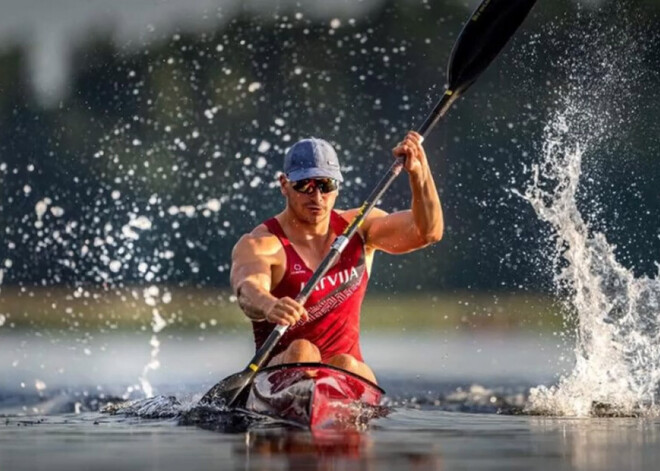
pixel 425 439
pixel 435 440
pixel 303 448
pixel 326 450
pixel 603 443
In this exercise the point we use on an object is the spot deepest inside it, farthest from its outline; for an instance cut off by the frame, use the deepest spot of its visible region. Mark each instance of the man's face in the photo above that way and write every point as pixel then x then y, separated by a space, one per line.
pixel 313 205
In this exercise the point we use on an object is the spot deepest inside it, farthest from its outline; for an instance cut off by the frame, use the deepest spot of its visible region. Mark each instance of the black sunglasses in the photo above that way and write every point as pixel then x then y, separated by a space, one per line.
pixel 308 185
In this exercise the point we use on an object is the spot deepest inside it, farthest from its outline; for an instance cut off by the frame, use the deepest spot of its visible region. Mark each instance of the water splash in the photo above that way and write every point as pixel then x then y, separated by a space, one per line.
pixel 3 318
pixel 617 351
pixel 617 370
pixel 151 298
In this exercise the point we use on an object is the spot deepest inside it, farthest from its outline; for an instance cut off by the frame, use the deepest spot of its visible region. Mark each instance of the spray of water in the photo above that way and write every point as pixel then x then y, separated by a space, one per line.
pixel 617 350
pixel 617 369
pixel 3 318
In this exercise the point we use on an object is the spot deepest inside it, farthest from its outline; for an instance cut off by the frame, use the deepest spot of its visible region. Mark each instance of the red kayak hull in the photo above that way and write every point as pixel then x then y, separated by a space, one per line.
pixel 314 395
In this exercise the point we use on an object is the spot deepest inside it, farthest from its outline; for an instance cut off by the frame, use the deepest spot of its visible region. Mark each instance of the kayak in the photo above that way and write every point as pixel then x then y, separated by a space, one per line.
pixel 314 395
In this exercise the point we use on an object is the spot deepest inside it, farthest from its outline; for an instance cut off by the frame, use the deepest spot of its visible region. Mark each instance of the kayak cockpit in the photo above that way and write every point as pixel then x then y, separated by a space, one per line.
pixel 313 395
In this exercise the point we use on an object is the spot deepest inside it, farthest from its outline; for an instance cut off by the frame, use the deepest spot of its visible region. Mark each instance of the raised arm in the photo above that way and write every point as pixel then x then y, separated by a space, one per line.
pixel 254 258
pixel 423 224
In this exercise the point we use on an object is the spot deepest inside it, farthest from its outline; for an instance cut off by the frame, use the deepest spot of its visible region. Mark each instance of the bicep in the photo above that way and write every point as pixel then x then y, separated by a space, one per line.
pixel 393 233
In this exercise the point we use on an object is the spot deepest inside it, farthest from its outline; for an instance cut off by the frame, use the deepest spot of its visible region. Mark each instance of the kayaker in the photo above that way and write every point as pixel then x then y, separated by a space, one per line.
pixel 272 263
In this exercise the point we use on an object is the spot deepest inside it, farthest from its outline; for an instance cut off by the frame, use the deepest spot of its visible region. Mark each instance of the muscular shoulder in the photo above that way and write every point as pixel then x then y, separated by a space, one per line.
pixel 259 242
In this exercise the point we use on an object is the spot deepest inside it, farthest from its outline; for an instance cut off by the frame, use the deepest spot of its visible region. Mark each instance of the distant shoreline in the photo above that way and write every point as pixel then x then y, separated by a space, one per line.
pixel 213 309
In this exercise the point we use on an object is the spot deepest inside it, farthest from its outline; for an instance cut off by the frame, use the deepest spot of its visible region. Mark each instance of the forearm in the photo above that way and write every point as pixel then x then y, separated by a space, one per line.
pixel 254 300
pixel 426 207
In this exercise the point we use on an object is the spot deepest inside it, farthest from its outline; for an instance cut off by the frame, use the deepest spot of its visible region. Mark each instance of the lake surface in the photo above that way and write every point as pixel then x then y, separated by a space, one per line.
pixel 444 392
pixel 407 439
pixel 108 360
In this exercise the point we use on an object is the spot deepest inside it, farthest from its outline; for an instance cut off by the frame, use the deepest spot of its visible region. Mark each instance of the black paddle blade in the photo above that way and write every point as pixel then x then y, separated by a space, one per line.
pixel 483 37
pixel 230 392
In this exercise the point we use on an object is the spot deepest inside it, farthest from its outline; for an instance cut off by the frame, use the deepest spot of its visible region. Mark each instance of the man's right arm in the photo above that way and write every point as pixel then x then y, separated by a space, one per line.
pixel 253 258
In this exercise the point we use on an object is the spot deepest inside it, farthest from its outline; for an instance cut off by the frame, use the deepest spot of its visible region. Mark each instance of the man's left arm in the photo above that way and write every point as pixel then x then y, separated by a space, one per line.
pixel 423 224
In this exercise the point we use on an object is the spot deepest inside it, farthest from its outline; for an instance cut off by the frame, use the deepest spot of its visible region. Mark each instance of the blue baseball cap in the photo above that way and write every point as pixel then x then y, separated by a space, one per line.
pixel 312 158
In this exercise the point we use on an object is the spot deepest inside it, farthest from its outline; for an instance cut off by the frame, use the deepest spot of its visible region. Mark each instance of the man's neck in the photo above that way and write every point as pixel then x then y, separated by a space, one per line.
pixel 304 230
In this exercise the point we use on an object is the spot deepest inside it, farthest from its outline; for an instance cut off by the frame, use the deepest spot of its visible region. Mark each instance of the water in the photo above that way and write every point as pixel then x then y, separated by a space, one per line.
pixel 454 398
pixel 407 439
pixel 443 413
pixel 432 403
pixel 117 359
pixel 617 311
pixel 618 354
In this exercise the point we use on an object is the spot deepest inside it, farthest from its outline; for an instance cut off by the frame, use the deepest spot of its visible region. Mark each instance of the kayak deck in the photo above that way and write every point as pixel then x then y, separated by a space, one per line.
pixel 314 395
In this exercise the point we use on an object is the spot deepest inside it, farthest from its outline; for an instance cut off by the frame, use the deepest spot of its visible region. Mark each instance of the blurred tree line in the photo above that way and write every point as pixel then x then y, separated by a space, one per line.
pixel 161 155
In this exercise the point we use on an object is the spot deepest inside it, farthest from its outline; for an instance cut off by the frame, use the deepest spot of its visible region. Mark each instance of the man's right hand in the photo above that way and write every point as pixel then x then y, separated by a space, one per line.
pixel 286 311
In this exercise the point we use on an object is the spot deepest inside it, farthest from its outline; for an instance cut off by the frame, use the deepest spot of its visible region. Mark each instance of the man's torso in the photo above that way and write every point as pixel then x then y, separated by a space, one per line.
pixel 311 256
pixel 334 305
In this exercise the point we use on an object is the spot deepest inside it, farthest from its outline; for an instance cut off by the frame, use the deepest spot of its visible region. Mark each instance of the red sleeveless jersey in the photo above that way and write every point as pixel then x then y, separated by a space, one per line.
pixel 333 306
